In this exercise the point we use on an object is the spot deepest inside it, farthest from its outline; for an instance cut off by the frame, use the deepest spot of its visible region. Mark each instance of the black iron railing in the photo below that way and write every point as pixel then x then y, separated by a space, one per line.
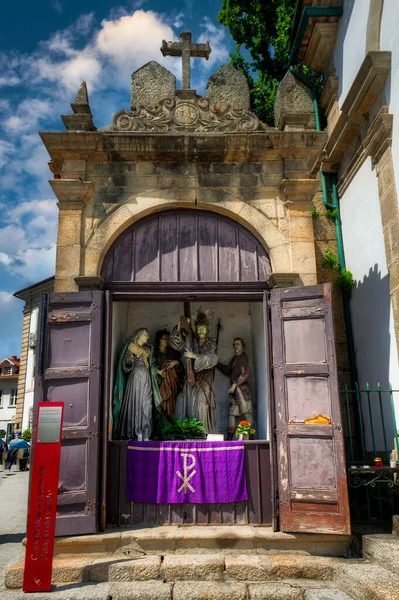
pixel 371 433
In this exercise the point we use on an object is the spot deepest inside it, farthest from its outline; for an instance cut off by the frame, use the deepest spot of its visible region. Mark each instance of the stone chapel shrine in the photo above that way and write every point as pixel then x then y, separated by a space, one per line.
pixel 187 335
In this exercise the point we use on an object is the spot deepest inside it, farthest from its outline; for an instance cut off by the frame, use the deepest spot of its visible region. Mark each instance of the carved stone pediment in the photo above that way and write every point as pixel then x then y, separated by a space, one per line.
pixel 195 114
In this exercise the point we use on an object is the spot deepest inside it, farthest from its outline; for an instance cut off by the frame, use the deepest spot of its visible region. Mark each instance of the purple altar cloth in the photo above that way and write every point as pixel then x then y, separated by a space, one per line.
pixel 193 472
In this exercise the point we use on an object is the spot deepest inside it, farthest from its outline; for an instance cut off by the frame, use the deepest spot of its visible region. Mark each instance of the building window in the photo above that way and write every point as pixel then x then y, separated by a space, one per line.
pixel 7 370
pixel 13 398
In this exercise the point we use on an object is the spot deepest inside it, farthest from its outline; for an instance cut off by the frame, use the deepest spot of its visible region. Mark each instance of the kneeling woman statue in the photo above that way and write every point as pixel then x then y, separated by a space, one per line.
pixel 133 404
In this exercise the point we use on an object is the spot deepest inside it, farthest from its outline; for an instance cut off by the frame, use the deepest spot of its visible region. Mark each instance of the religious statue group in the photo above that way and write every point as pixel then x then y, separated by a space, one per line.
pixel 175 377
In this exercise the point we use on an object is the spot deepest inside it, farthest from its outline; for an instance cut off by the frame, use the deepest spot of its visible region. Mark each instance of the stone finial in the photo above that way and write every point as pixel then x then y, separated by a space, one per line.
pixel 151 84
pixel 228 87
pixel 293 107
pixel 81 103
pixel 81 119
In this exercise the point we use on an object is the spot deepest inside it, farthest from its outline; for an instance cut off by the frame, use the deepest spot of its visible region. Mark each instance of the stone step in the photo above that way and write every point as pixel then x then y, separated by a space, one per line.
pixel 219 576
pixel 383 549
pixel 186 567
pixel 173 539
pixel 367 581
pixel 198 590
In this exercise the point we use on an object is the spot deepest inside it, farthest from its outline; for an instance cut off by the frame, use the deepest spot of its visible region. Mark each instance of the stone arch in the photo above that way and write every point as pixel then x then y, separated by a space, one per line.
pixel 273 241
pixel 185 246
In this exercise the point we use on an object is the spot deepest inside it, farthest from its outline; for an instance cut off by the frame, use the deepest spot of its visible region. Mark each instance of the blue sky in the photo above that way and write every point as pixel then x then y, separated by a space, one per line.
pixel 46 49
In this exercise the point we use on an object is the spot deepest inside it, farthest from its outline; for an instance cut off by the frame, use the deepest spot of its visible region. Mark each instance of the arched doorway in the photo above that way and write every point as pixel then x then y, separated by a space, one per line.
pixel 167 265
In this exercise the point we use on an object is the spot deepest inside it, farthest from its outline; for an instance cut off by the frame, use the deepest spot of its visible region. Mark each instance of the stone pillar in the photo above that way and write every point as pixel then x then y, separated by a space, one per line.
pixel 72 196
pixel 299 194
pixel 390 227
pixel 378 145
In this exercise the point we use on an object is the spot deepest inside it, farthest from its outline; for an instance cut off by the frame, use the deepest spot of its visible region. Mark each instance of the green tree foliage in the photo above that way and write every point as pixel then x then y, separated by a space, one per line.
pixel 27 435
pixel 263 27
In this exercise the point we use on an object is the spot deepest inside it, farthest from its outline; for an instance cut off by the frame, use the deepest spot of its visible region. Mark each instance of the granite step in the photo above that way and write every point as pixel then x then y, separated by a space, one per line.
pixel 172 568
pixel 364 580
pixel 382 549
pixel 173 539
pixel 215 576
pixel 198 590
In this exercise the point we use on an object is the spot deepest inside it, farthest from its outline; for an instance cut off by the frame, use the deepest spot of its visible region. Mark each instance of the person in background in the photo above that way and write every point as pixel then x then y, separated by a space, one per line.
pixel 3 445
pixel 18 442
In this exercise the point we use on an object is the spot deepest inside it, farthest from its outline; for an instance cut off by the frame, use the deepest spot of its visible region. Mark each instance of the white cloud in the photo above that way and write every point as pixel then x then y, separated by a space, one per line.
pixel 179 20
pixel 5 297
pixel 10 324
pixel 27 116
pixel 9 81
pixel 6 151
pixel 5 260
pixel 57 5
pixel 27 239
pixel 216 35
pixel 133 40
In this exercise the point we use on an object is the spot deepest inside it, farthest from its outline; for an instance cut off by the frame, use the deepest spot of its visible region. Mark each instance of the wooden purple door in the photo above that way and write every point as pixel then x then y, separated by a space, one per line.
pixel 69 371
pixel 311 462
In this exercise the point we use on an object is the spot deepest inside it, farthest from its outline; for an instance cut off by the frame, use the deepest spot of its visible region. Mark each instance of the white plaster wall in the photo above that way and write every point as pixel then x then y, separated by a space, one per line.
pixel 7 412
pixel 389 40
pixel 374 336
pixel 28 403
pixel 350 47
pixel 236 319
pixel 259 362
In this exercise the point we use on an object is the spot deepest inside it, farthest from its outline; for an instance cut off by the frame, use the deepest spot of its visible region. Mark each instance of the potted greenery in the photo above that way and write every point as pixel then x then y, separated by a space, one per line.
pixel 186 429
pixel 244 430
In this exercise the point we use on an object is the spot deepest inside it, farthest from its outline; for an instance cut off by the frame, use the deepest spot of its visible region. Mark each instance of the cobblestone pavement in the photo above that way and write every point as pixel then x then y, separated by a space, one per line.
pixel 13 512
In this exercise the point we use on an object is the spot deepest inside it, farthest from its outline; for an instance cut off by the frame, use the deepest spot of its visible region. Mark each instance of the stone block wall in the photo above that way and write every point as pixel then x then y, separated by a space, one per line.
pixel 260 180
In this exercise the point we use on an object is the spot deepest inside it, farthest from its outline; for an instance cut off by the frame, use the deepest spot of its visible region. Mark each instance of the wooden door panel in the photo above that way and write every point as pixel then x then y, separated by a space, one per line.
pixel 70 372
pixel 311 463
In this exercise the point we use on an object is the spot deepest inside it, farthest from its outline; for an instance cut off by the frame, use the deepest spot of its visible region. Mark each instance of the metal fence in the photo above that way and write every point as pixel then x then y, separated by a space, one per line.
pixel 370 431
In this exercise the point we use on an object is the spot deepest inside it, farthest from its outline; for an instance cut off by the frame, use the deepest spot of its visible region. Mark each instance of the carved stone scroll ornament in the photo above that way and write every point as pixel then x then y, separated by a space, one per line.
pixel 174 114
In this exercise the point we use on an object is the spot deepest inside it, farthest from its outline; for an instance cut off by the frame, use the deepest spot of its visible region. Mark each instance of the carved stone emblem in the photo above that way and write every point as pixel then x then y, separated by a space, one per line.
pixel 175 114
pixel 186 114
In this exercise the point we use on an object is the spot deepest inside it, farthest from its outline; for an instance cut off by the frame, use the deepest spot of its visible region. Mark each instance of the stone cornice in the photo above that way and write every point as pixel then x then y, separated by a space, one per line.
pixel 71 193
pixel 283 280
pixel 368 84
pixel 321 45
pixel 377 140
pixel 84 283
pixel 198 147
pixel 299 191
pixel 329 92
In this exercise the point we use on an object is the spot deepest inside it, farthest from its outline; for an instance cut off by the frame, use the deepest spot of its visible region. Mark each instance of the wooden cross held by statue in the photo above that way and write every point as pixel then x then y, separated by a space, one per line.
pixel 186 50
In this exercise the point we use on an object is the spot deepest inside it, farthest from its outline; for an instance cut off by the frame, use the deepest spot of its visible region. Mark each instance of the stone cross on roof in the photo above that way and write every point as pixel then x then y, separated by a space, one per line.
pixel 186 50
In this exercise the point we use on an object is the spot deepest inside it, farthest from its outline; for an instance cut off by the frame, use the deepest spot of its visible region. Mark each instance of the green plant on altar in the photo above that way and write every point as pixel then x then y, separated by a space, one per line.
pixel 244 428
pixel 178 429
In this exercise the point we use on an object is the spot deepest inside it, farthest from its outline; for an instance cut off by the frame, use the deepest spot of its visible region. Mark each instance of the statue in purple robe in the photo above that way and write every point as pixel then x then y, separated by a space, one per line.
pixel 240 394
pixel 197 399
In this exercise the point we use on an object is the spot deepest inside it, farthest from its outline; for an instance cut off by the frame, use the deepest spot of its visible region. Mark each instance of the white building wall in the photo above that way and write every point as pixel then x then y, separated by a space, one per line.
pixel 30 366
pixel 372 318
pixel 389 40
pixel 7 412
pixel 350 48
